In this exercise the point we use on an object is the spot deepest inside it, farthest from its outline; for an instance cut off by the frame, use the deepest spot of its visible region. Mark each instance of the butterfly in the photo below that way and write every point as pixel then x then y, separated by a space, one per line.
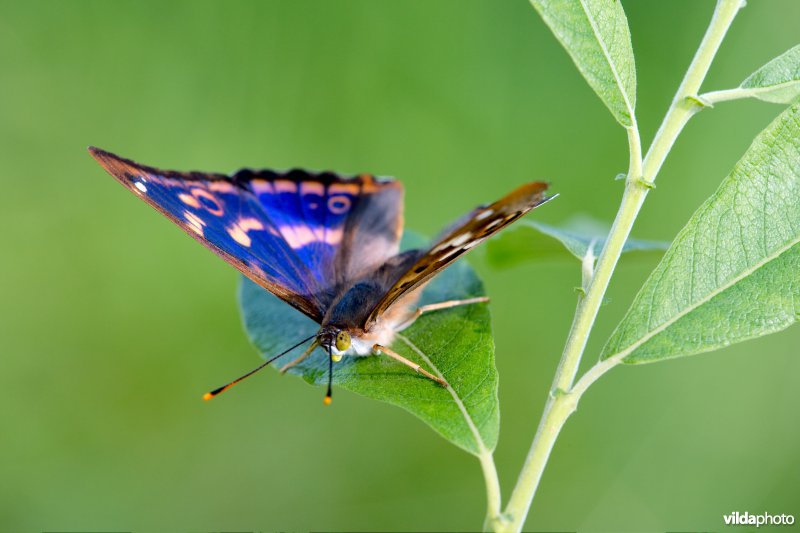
pixel 325 244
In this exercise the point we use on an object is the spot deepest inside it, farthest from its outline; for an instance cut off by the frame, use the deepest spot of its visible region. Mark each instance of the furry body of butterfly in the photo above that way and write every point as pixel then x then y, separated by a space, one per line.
pixel 397 318
pixel 327 245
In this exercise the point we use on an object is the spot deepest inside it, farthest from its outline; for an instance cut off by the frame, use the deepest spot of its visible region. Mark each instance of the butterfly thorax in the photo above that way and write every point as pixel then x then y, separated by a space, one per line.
pixel 351 308
pixel 348 313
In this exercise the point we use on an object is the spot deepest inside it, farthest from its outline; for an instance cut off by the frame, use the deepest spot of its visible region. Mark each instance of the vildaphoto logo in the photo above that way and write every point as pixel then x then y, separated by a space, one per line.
pixel 765 519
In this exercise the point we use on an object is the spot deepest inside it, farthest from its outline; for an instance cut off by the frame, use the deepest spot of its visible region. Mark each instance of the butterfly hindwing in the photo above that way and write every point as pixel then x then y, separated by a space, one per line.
pixel 458 239
pixel 339 227
pixel 288 232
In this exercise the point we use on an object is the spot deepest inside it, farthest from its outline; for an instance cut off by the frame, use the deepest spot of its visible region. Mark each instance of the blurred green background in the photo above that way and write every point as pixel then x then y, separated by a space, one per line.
pixel 113 323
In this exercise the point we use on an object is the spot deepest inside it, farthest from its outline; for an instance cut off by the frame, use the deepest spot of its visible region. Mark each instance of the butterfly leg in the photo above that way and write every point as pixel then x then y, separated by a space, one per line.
pixel 380 349
pixel 436 307
pixel 300 359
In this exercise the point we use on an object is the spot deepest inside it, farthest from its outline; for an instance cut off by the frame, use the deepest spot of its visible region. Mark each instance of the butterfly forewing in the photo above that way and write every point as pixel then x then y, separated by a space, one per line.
pixel 292 233
pixel 468 232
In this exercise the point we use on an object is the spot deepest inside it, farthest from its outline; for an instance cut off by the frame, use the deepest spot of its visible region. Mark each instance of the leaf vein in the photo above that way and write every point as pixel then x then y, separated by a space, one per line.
pixel 719 290
pixel 460 404
pixel 609 60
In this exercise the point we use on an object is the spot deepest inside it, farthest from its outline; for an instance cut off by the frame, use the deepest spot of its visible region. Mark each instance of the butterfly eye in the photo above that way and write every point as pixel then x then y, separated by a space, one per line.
pixel 342 341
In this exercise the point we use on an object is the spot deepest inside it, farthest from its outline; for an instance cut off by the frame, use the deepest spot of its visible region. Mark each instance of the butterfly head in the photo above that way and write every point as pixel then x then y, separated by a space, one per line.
pixel 336 341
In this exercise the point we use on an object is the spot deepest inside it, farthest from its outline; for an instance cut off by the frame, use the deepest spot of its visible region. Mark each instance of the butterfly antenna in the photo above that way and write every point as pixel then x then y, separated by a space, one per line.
pixel 329 396
pixel 220 390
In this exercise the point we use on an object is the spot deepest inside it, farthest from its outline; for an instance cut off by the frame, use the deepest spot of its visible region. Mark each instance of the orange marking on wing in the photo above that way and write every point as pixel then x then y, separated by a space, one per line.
pixel 239 230
pixel 250 223
pixel 262 187
pixel 239 235
pixel 216 209
pixel 170 182
pixel 346 188
pixel 194 222
pixel 312 187
pixel 302 235
pixel 285 186
pixel 298 236
pixel 370 185
pixel 189 200
pixel 332 236
pixel 339 205
pixel 221 186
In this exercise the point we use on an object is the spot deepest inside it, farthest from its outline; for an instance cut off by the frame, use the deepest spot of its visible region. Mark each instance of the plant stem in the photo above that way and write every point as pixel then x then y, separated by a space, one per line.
pixel 561 403
pixel 715 97
pixel 686 104
pixel 493 500
pixel 564 397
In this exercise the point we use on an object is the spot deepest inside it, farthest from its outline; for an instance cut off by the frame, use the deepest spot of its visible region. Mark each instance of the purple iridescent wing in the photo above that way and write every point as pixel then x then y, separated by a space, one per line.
pixel 289 232
pixel 340 228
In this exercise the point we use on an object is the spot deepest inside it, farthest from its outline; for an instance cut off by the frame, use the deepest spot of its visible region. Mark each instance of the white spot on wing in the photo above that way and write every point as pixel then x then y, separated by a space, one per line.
pixel 297 236
pixel 194 222
pixel 251 223
pixel 461 239
pixel 451 252
pixel 483 214
pixel 474 243
pixel 189 200
pixel 333 237
pixel 302 235
pixel 239 235
pixel 238 231
pixel 141 186
pixel 493 223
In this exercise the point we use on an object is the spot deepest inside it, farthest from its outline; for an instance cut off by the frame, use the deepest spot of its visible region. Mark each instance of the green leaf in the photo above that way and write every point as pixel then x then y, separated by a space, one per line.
pixel 596 36
pixel 778 81
pixel 530 240
pixel 733 273
pixel 457 343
